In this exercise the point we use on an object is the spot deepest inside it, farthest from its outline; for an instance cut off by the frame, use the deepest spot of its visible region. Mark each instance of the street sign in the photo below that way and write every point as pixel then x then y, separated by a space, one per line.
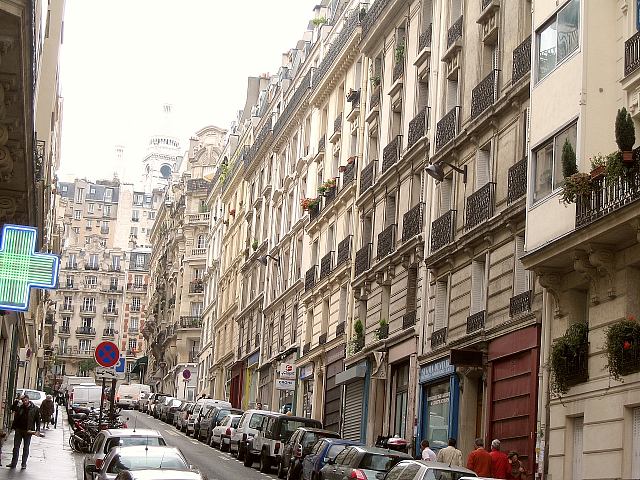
pixel 120 366
pixel 287 371
pixel 22 269
pixel 186 374
pixel 105 373
pixel 282 384
pixel 107 354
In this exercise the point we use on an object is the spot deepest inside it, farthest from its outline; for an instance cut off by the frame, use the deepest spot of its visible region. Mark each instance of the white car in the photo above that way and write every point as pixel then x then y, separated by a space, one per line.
pixel 221 434
pixel 36 396
pixel 243 435
pixel 120 459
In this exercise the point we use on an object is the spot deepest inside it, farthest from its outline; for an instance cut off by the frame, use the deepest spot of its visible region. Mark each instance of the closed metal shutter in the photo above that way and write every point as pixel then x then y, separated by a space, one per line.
pixel 354 399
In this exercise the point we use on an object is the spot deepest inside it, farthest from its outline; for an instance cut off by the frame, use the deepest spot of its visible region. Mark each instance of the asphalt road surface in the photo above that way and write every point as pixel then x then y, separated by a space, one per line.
pixel 210 461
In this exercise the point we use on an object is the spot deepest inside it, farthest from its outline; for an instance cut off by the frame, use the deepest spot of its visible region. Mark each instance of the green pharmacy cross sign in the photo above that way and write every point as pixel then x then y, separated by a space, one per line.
pixel 21 268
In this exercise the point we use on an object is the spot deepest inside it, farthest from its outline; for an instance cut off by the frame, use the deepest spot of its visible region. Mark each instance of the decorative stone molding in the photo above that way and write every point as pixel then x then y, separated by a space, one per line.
pixel 604 262
pixel 551 281
pixel 582 265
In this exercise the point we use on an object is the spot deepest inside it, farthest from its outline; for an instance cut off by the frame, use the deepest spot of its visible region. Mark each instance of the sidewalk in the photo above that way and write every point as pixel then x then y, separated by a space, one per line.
pixel 49 456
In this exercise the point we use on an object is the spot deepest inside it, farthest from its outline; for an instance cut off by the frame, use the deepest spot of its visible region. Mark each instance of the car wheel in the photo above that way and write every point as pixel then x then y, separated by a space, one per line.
pixel 223 446
pixel 240 453
pixel 292 473
pixel 281 471
pixel 265 462
pixel 248 459
pixel 208 440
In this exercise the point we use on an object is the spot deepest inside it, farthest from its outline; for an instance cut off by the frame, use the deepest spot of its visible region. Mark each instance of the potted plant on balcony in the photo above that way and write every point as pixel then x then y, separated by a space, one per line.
pixel 565 357
pixel 375 80
pixel 598 166
pixel 399 53
pixel 318 21
pixel 383 330
pixel 254 244
pixel 577 185
pixel 622 347
pixel 307 203
pixel 615 167
pixel 625 134
pixel 326 186
pixel 357 342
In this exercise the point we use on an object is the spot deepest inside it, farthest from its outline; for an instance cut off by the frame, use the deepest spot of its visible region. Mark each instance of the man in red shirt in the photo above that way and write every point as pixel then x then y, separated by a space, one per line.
pixel 499 461
pixel 480 460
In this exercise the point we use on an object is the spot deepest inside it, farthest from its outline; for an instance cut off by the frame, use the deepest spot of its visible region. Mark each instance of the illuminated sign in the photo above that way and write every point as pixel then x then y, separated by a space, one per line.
pixel 22 269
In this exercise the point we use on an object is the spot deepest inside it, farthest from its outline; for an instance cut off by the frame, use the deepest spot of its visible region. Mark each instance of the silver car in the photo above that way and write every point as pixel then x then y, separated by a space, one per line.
pixel 423 470
pixel 160 475
pixel 120 459
pixel 117 437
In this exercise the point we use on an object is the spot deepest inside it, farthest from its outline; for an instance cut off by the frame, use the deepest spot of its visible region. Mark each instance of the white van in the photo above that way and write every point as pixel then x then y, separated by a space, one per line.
pixel 86 395
pixel 127 395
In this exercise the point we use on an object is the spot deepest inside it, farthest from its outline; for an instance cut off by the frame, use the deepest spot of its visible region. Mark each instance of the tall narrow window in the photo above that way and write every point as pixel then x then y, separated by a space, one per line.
pixel 308 330
pixel 441 300
pixel 325 315
pixel 281 331
pixel 331 238
pixel 478 295
pixel 294 323
pixel 390 210
pixel 452 94
pixel 483 166
pixel 412 289
pixel 520 275
pixel 446 195
pixel 342 312
pixel 367 228
pixel 635 432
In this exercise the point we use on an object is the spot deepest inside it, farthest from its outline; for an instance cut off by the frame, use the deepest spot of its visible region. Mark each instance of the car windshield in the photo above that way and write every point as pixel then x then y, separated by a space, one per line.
pixel 153 460
pixel 288 427
pixel 437 474
pixel 133 442
pixel 235 421
pixel 379 463
pixel 335 450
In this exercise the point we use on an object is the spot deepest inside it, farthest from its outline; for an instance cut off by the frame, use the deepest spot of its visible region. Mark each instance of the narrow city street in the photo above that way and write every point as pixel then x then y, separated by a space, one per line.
pixel 210 461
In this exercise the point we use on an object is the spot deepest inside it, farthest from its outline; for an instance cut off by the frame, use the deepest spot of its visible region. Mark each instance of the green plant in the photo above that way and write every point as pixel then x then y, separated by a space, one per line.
pixel 358 328
pixel 569 164
pixel 625 131
pixel 615 167
pixel 622 347
pixel 383 330
pixel 375 80
pixel 254 244
pixel 577 185
pixel 567 354
pixel 357 342
pixel 87 365
pixel 399 53
pixel 319 21
pixel 598 161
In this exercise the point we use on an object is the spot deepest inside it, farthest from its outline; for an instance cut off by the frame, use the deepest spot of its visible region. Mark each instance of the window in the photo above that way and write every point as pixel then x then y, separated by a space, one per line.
pixel 108 194
pixel 135 304
pixel 547 164
pixel 113 285
pixel 66 321
pixel 115 263
pixel 412 289
pixel 87 240
pixel 401 381
pixel 92 190
pixel 139 261
pixel 91 280
pixel 66 305
pixel 483 166
pixel 106 212
pixel 138 198
pixel 90 207
pixel 440 310
pixel 76 230
pixel 201 242
pixel 133 324
pixel 76 214
pixel 294 323
pixel 477 285
pixel 84 346
pixel 152 215
pixel 79 195
pixel 137 281
pixel 93 261
pixel 134 231
pixel 69 281
pixel 635 432
pixel 196 309
pixel 88 224
pixel 112 305
pixel 135 215
pixel 133 344
pixel 578 451
pixel 558 39
pixel 520 275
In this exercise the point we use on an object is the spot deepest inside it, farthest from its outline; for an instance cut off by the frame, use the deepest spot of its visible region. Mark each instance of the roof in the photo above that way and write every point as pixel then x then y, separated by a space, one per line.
pixel 383 451
pixel 154 474
pixel 132 432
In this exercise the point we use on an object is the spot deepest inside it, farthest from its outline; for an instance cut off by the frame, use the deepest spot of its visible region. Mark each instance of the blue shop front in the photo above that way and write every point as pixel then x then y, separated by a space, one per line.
pixel 439 403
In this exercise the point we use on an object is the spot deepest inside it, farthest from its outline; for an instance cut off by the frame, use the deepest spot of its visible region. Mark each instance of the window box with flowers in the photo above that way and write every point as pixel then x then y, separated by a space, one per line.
pixel 569 359
pixel 622 347
pixel 307 203
pixel 327 186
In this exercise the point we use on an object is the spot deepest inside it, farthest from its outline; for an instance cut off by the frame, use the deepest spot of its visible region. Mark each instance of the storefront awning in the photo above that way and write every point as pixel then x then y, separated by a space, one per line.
pixel 140 362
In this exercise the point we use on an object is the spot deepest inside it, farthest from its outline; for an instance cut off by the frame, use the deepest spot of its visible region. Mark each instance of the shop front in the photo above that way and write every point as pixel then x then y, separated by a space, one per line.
pixel 237 374
pixel 306 382
pixel 439 399
pixel 401 388
pixel 333 393
pixel 265 386
pixel 356 385
pixel 251 382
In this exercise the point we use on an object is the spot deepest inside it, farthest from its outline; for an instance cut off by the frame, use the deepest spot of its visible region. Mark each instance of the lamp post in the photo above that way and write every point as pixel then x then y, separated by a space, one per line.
pixel 436 171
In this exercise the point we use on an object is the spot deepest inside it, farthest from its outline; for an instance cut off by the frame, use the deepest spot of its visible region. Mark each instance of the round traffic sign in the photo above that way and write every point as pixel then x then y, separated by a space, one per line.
pixel 186 374
pixel 107 354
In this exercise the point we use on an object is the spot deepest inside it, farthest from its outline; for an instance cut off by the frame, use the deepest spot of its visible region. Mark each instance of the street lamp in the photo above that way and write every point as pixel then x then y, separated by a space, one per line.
pixel 436 171
pixel 264 259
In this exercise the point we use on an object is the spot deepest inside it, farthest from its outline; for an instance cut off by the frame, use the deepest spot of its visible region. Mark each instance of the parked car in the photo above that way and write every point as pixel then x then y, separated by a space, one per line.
pixel 36 396
pixel 274 432
pixel 163 407
pixel 158 400
pixel 245 431
pixel 420 469
pixel 361 463
pixel 141 458
pixel 183 415
pixel 143 401
pixel 160 475
pixel 298 447
pixel 212 419
pixel 321 452
pixel 170 410
pixel 128 395
pixel 221 434
pixel 200 410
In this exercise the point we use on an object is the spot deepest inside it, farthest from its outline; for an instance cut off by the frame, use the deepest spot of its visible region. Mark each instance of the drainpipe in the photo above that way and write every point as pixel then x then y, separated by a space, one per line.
pixel 544 398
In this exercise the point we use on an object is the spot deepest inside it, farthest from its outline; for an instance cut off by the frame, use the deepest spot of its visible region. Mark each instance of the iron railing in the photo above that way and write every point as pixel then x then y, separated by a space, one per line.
pixel 447 128
pixel 310 278
pixel 607 196
pixel 398 69
pixel 88 309
pixel 344 251
pixel 412 222
pixel 85 331
pixel 367 176
pixel 322 339
pixel 517 181
pixel 391 153
pixel 326 264
pixel 108 332
pixel 409 319
pixel 38 159
pixel 425 37
pixel 373 14
pixel 197 184
pixel 314 211
pixel 442 230
pixel 439 337
pixel 386 241
pixel 484 94
pixel 476 321
pixel 112 311
pixel 349 175
pixel 520 303
pixel 340 329
pixel 337 124
pixel 322 143
pixel 64 329
pixel 196 287
pixel 375 97
pixel 190 321
pixel 480 206
pixel 354 99
pixel 351 23
pixel 521 60
pixel 294 102
pixel 418 127
pixel 363 259
pixel 454 32
pixel 632 54
pixel 329 195
pixel 575 370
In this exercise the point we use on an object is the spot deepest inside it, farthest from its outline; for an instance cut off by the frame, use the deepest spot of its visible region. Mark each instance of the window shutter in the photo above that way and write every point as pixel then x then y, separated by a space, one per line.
pixel 446 187
pixel 578 424
pixel 390 210
pixel 521 277
pixel 452 94
pixel 441 305
pixel 635 458
pixel 412 287
pixel 483 166
pixel 477 286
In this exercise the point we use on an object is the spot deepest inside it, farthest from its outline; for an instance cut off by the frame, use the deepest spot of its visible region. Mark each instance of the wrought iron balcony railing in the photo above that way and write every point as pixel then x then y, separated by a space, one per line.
pixel 108 332
pixel 85 331
pixel 330 195
pixel 607 197
pixel 476 321
pixel 92 267
pixel 326 264
pixel 425 37
pixel 340 329
pixel 484 94
pixel 354 99
pixel 64 329
pixel 418 127
pixel 575 370
pixel 344 251
pixel 375 98
pixel 391 153
pixel 439 337
pixel 517 181
pixel 480 206
pixel 454 32
pixel 190 321
pixel 442 230
pixel 322 339
pixel 632 54
pixel 88 309
pixel 412 222
pixel 196 287
pixel 373 14
pixel 322 143
pixel 363 259
pixel 386 241
pixel 367 177
pixel 520 303
pixel 521 60
pixel 398 69
pixel 447 128
pixel 314 211
pixel 310 278
pixel 349 175
pixel 110 311
pixel 337 123
pixel 409 319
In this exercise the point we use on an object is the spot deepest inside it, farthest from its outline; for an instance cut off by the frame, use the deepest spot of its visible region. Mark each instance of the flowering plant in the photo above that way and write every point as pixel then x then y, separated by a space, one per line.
pixel 307 203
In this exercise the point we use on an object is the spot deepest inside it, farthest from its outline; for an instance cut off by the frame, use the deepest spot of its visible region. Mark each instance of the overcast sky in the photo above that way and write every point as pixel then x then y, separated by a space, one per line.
pixel 122 59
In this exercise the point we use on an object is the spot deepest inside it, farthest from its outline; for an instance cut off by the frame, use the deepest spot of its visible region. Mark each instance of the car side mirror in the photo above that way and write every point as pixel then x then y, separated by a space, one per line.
pixel 380 475
pixel 326 460
pixel 331 461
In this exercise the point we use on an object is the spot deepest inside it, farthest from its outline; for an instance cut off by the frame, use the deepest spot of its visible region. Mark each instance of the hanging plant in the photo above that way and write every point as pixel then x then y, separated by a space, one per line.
pixel 254 244
pixel 383 330
pixel 577 185
pixel 622 347
pixel 568 359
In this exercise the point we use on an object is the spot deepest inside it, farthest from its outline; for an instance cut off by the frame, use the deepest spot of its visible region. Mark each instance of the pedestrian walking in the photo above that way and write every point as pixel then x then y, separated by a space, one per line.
pixel 450 454
pixel 479 460
pixel 499 461
pixel 516 470
pixel 26 422
pixel 427 453
pixel 46 411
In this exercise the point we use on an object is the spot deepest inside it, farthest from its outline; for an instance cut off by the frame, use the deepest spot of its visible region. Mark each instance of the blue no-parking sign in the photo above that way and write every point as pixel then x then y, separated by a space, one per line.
pixel 119 368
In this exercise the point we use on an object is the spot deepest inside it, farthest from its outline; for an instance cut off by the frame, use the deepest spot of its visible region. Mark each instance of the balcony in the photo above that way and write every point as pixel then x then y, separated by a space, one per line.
pixel 398 70
pixel 363 259
pixel 349 174
pixel 374 100
pixel 196 286
pixel 134 308
pixel 191 321
pixel 256 341
pixel 104 230
pixel 115 288
pixel 344 251
pixel 314 211
pixel 115 268
pixel 412 222
pixel 329 195
pixel 306 349
pixel 86 331
pixel 88 309
pixel 367 177
pixel 425 38
pixel 480 206
pixel 454 33
pixel 139 287
pixel 310 278
pixel 418 127
pixel 66 308
pixel 110 311
pixel 326 264
pixel 109 332
pixel 198 218
pixel 386 241
pixel 198 252
pixel 322 339
pixel 133 331
pixel 337 129
pixel 197 184
pixel 517 181
pixel 521 60
pixel 632 54
pixel 520 303
pixel 91 267
pixel 354 99
pixel 607 197
pixel 447 128
pixel 442 230
pixel 409 319
pixel 484 94
pixel 64 330
pixel 340 329
pixel 575 370
pixel 322 144
pixel 391 153
pixel 439 337
pixel 476 321
pixel 71 266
